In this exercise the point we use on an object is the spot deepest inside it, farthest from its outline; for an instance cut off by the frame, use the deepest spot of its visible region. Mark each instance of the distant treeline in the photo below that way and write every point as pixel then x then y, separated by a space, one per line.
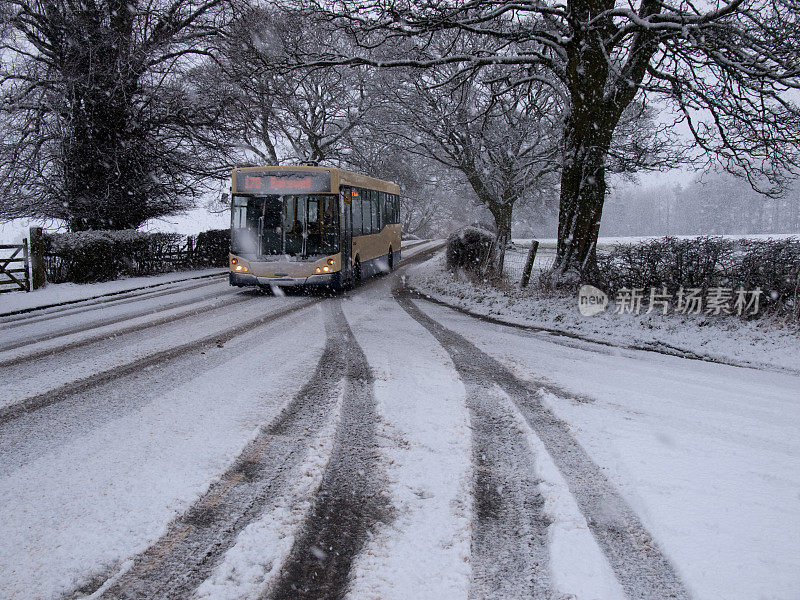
pixel 715 205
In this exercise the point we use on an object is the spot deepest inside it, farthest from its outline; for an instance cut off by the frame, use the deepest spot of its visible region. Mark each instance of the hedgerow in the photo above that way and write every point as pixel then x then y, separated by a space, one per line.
pixel 772 265
pixel 89 256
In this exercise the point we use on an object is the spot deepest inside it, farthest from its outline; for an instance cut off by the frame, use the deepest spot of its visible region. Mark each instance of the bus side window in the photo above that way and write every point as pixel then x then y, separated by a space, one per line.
pixel 375 214
pixel 366 212
pixel 356 204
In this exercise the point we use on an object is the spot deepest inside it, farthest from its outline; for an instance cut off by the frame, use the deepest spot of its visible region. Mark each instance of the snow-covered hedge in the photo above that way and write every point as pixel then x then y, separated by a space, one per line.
pixel 88 256
pixel 211 248
pixel 706 262
pixel 467 247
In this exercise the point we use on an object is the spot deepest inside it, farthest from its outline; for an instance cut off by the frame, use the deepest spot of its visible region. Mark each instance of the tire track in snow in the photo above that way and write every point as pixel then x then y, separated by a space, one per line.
pixel 59 312
pixel 58 309
pixel 509 537
pixel 349 502
pixel 13 411
pixel 227 298
pixel 638 563
pixel 195 542
pixel 509 555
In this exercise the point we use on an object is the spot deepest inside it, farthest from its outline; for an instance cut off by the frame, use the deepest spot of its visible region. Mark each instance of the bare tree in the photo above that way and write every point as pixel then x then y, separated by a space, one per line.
pixel 98 129
pixel 721 68
pixel 434 197
pixel 504 140
pixel 277 115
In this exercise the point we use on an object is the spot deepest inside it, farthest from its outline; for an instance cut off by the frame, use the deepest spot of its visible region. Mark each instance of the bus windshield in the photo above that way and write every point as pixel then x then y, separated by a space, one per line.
pixel 297 225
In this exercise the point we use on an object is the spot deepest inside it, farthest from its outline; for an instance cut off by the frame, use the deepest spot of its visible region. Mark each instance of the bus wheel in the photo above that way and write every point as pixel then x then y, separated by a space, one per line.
pixel 391 259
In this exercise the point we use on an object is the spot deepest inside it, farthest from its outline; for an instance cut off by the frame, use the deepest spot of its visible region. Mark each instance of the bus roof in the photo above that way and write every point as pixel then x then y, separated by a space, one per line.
pixel 339 177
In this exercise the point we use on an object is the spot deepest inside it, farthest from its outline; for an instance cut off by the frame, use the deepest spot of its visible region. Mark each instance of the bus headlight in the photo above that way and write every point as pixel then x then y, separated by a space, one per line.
pixel 326 269
pixel 331 261
pixel 320 270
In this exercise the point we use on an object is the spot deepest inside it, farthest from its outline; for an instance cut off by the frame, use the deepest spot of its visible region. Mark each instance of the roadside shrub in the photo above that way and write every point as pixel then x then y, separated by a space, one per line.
pixel 708 262
pixel 467 248
pixel 211 248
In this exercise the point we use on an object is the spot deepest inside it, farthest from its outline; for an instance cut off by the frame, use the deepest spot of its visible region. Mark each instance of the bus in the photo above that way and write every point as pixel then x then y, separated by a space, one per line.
pixel 311 226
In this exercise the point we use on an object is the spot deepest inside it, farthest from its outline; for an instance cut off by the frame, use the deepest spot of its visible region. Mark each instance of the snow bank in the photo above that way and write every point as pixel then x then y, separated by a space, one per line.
pixel 761 343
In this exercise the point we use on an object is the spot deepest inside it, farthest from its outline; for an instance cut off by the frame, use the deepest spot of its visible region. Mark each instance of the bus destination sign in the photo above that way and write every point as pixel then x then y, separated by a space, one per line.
pixel 283 182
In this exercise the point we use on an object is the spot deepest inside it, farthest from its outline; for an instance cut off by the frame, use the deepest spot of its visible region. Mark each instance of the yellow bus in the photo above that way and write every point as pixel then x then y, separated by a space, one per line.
pixel 311 226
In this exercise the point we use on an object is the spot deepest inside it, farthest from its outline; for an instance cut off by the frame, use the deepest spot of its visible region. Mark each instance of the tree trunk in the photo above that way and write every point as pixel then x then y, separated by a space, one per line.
pixel 583 189
pixel 502 220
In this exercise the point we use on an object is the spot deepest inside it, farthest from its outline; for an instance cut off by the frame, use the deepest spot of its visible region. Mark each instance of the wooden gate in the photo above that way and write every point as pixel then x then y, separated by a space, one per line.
pixel 14 267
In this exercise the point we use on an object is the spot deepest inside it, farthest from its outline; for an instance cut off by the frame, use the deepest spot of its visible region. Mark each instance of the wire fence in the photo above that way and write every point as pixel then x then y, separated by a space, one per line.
pixel 514 263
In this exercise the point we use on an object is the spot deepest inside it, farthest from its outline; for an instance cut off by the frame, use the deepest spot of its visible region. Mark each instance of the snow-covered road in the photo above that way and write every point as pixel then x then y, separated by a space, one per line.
pixel 199 441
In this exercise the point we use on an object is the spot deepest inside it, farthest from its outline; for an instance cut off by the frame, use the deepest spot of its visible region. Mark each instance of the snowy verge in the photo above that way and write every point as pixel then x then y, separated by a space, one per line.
pixel 764 343
pixel 61 293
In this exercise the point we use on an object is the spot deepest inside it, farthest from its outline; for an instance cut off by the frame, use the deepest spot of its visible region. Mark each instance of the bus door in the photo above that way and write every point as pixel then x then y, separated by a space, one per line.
pixel 346 238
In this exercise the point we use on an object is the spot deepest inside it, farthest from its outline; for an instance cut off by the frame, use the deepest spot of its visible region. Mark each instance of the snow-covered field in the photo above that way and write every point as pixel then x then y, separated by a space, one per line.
pixel 604 242
pixel 761 342
pixel 218 443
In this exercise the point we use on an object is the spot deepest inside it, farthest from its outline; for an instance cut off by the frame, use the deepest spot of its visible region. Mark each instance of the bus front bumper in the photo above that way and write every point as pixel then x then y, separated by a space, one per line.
pixel 327 279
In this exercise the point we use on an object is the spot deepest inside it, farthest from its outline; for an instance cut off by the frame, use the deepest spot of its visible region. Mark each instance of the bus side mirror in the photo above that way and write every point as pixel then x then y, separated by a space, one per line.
pixel 224 199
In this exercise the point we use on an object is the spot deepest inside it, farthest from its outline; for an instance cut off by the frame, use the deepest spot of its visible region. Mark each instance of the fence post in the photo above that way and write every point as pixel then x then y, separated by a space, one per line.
pixel 485 259
pixel 526 272
pixel 27 263
pixel 38 278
